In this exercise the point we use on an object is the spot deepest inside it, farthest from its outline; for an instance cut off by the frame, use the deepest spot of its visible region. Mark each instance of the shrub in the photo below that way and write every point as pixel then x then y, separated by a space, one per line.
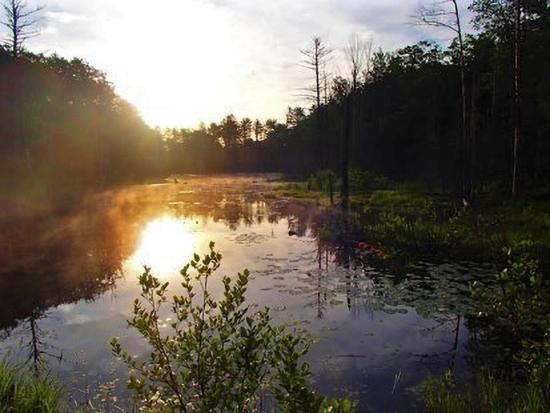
pixel 218 355
pixel 518 308
pixel 361 181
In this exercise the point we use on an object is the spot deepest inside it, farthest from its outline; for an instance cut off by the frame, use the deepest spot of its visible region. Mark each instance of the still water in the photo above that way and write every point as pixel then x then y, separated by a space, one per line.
pixel 67 286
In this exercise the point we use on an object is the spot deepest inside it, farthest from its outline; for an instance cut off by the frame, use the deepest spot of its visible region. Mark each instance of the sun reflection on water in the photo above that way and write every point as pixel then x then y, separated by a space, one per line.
pixel 166 246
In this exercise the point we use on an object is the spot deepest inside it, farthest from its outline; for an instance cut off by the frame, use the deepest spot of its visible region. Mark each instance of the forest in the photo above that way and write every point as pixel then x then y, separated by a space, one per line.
pixel 396 225
pixel 400 113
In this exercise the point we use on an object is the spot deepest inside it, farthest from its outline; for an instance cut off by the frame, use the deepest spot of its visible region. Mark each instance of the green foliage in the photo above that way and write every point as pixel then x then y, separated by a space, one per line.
pixel 489 395
pixel 297 190
pixel 218 355
pixel 408 218
pixel 22 392
pixel 519 308
pixel 337 406
pixel 49 102
pixel 361 181
pixel 413 221
pixel 322 181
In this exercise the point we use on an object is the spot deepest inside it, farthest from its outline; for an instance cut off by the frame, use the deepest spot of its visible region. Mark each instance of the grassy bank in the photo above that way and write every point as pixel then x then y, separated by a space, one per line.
pixel 23 392
pixel 413 219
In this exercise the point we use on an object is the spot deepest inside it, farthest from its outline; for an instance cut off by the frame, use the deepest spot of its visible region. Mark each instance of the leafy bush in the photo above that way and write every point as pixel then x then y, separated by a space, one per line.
pixel 218 355
pixel 22 392
pixel 361 181
pixel 518 307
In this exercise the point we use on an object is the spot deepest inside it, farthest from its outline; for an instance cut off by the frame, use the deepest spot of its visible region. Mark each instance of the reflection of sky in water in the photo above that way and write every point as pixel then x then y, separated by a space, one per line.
pixel 364 334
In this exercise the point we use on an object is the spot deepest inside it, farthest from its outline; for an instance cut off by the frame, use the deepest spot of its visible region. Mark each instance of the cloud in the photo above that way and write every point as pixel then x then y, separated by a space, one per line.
pixel 183 61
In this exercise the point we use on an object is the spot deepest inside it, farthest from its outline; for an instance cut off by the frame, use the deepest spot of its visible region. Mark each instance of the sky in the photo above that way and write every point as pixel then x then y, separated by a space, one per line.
pixel 181 62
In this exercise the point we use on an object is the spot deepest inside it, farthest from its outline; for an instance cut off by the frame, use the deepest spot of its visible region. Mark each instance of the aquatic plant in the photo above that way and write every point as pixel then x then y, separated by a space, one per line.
pixel 218 355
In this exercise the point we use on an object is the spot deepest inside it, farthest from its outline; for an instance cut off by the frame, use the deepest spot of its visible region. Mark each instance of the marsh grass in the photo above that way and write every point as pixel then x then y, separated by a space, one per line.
pixel 413 219
pixel 487 395
pixel 298 190
pixel 22 392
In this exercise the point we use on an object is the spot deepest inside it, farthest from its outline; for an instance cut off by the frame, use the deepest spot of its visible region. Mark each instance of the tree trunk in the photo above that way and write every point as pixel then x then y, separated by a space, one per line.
pixel 473 128
pixel 345 157
pixel 517 97
pixel 464 144
pixel 318 110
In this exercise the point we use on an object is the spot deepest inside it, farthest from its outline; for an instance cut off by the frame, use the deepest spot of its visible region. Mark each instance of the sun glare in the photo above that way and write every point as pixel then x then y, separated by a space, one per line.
pixel 166 246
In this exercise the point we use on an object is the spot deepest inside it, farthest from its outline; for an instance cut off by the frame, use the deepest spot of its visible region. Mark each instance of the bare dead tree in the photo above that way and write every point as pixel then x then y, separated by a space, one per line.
pixel 326 82
pixel 445 14
pixel 358 55
pixel 22 23
pixel 315 59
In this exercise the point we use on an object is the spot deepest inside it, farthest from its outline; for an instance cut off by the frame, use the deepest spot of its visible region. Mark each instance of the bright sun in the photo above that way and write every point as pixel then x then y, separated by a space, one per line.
pixel 166 246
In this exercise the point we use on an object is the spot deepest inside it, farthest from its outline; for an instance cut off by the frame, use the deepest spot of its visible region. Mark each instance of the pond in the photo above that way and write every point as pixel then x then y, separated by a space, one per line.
pixel 67 286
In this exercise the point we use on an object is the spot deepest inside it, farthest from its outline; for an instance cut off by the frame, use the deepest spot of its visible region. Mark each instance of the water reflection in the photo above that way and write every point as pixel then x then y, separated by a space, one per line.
pixel 166 245
pixel 370 321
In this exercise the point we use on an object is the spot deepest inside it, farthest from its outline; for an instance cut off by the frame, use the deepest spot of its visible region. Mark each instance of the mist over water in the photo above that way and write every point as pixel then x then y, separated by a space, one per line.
pixel 377 331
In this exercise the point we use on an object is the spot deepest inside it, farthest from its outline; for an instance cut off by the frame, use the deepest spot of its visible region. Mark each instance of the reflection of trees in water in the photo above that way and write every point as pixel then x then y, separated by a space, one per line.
pixel 79 255
pixel 78 261
pixel 68 279
pixel 38 347
pixel 439 292
pixel 34 344
pixel 82 258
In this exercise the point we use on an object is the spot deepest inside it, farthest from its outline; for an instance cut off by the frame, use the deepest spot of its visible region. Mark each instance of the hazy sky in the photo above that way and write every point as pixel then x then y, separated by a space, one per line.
pixel 183 61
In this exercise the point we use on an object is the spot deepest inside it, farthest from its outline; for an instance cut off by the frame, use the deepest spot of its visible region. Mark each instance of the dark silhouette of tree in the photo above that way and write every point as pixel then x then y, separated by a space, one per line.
pixel 315 60
pixel 64 130
pixel 22 23
pixel 230 133
pixel 294 116
pixel 358 54
pixel 445 14
pixel 520 30
pixel 269 127
pixel 258 130
pixel 245 129
pixel 517 92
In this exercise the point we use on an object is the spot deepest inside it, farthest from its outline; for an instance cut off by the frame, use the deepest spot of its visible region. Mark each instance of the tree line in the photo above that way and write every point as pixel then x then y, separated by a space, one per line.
pixel 470 118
